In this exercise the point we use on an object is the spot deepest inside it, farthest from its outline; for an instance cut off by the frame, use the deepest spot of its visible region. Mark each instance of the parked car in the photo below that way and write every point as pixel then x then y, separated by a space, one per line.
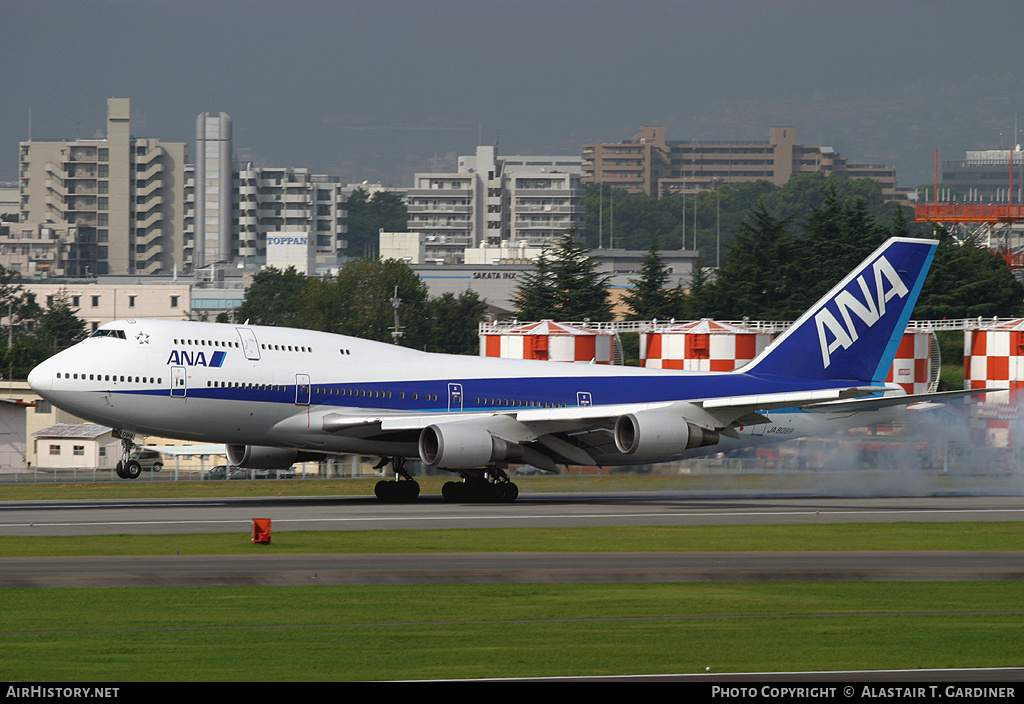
pixel 223 471
pixel 148 460
pixel 274 473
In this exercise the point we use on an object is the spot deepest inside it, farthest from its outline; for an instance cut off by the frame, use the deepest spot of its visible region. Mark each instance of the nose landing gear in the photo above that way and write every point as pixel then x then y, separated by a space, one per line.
pixel 127 468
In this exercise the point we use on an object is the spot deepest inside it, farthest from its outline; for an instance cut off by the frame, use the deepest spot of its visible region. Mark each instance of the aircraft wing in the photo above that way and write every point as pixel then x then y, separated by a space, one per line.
pixel 583 434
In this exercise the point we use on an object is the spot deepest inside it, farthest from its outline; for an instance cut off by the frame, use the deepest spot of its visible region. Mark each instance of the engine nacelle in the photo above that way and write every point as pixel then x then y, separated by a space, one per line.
pixel 261 457
pixel 460 446
pixel 653 434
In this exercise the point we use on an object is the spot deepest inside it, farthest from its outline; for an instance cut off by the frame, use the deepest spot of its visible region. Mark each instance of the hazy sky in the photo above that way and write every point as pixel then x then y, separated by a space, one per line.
pixel 377 89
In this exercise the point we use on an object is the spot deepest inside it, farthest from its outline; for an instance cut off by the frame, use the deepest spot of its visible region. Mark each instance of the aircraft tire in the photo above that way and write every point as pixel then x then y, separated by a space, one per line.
pixel 511 492
pixel 395 492
pixel 119 469
pixel 132 470
pixel 452 491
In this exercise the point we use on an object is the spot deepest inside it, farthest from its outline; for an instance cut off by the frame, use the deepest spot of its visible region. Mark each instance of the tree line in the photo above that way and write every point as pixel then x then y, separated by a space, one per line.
pixel 771 274
pixel 34 333
pixel 360 301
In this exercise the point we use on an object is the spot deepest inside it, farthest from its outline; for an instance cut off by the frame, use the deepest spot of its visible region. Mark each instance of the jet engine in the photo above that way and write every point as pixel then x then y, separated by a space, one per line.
pixel 261 457
pixel 460 446
pixel 652 434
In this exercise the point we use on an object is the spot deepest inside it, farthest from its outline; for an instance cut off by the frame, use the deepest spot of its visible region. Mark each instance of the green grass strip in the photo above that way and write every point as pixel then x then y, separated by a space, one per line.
pixel 388 633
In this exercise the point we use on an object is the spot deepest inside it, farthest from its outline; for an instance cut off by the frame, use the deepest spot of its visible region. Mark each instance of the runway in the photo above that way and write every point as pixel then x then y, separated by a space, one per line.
pixel 171 516
pixel 45 518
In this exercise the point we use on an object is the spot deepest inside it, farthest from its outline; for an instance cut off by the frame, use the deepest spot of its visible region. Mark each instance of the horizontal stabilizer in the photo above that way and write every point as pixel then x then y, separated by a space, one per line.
pixel 860 404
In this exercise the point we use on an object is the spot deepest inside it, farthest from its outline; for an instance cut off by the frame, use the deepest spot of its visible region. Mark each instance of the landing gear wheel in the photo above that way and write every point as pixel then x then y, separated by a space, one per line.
pixel 479 490
pixel 397 491
pixel 128 468
pixel 511 492
pixel 131 470
pixel 453 492
pixel 405 488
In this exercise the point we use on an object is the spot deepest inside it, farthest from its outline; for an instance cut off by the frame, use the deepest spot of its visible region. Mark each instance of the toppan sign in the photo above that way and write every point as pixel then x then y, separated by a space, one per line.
pixel 839 325
pixel 298 249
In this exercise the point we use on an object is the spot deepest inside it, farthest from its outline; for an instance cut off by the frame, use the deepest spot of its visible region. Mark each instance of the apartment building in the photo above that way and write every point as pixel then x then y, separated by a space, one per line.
pixel 649 163
pixel 99 206
pixel 235 206
pixel 491 199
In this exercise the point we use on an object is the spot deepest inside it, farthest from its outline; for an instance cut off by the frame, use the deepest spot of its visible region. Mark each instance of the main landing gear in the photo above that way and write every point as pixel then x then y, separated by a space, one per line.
pixel 490 485
pixel 405 488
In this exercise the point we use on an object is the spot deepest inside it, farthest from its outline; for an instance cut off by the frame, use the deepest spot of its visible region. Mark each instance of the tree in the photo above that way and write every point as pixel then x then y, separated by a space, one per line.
pixel 273 298
pixel 59 325
pixel 649 299
pixel 454 322
pixel 368 215
pixel 565 285
pixel 968 281
pixel 699 299
pixel 40 334
pixel 756 278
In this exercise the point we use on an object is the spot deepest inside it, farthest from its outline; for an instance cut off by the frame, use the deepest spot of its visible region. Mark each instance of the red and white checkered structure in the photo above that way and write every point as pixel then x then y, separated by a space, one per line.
pixel 916 366
pixel 994 357
pixel 549 340
pixel 701 346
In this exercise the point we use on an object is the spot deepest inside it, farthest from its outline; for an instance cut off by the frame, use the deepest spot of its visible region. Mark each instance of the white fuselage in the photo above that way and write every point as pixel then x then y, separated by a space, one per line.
pixel 283 387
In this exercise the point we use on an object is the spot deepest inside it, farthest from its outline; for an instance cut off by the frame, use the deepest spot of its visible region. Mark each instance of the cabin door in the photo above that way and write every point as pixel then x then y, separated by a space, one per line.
pixel 250 346
pixel 302 389
pixel 454 397
pixel 179 381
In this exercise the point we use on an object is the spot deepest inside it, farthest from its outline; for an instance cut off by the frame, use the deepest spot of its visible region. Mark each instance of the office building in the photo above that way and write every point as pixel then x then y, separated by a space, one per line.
pixel 985 176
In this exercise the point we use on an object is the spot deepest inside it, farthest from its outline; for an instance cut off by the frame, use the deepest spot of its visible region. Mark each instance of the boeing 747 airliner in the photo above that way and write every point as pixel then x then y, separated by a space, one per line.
pixel 276 396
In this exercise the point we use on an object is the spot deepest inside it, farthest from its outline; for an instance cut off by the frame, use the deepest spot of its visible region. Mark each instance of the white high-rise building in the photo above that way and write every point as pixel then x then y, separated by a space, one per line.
pixel 236 206
pixel 492 199
pixel 213 185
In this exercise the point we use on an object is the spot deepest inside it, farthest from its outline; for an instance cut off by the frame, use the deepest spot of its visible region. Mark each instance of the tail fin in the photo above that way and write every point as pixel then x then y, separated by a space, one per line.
pixel 852 333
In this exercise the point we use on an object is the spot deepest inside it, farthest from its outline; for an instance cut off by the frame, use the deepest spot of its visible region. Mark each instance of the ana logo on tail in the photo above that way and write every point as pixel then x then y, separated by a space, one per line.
pixel 888 285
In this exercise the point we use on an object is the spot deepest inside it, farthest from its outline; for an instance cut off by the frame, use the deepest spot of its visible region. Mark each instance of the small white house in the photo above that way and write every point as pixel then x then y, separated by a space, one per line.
pixel 76 446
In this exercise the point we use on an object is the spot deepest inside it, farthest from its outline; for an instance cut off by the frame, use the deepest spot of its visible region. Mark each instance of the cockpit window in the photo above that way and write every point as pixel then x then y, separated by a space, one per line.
pixel 109 333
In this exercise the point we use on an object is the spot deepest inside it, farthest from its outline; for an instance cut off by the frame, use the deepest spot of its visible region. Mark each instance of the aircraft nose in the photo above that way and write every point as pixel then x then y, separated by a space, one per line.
pixel 41 378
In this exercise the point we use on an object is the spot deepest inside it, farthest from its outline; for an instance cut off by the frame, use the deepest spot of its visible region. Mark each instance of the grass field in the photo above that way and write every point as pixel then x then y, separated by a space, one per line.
pixel 253 634
pixel 388 633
